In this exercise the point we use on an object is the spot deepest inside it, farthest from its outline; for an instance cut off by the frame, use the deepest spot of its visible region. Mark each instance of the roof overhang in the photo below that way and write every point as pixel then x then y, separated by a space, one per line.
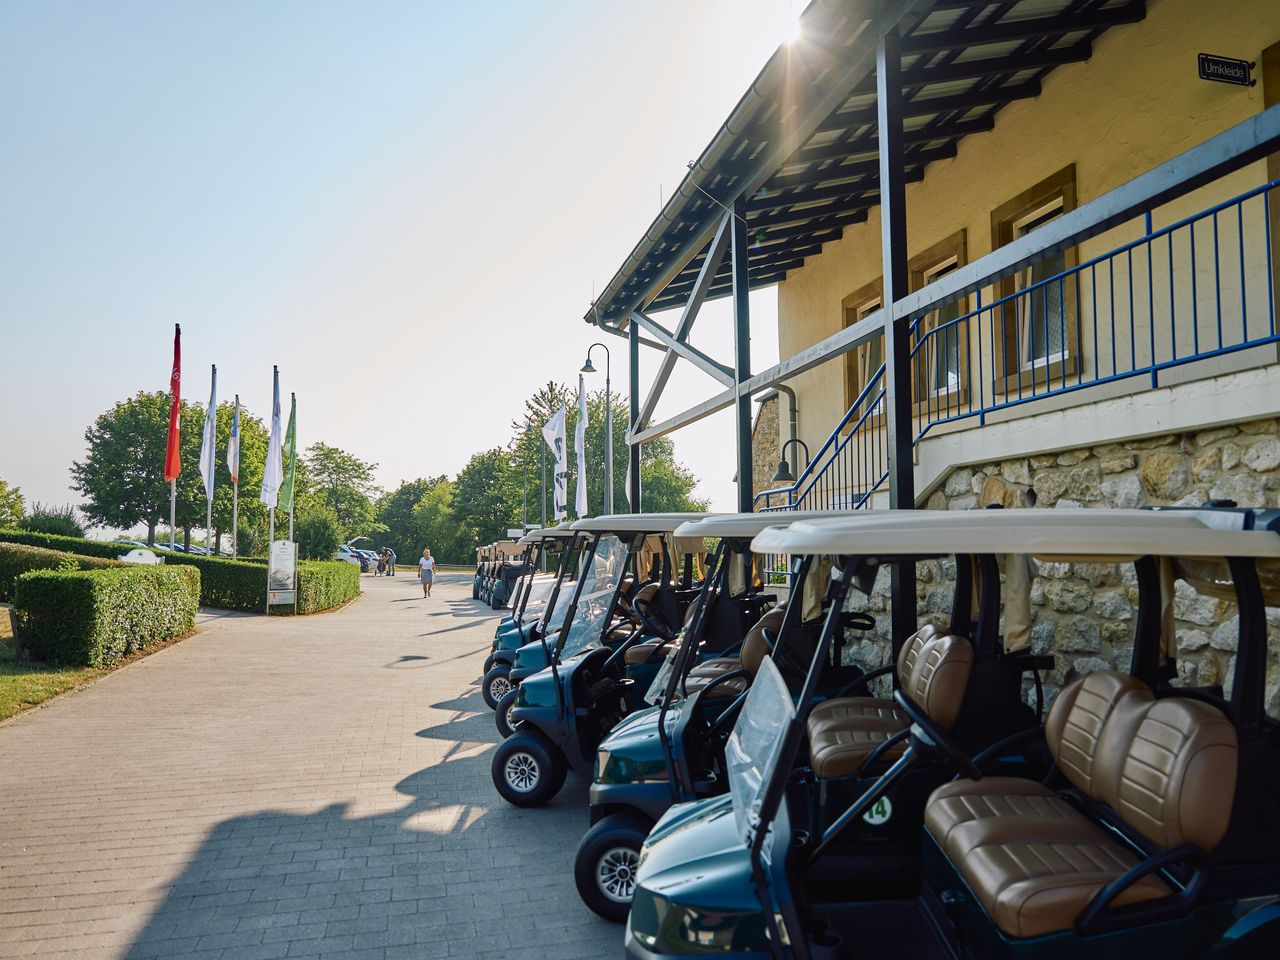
pixel 801 145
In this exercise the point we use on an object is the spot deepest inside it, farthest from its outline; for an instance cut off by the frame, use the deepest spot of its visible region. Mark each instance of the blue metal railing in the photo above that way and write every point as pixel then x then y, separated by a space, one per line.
pixel 1201 288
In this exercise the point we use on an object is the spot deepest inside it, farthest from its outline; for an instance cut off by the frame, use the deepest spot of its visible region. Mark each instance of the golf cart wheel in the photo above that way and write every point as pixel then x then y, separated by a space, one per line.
pixel 605 868
pixel 488 663
pixel 502 714
pixel 528 770
pixel 496 685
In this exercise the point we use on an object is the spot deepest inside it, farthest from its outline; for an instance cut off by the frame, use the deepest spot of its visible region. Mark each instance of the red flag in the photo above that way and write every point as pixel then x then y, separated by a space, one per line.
pixel 172 465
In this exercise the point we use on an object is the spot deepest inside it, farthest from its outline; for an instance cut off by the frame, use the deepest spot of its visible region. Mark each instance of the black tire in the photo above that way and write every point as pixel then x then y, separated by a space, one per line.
pixel 528 769
pixel 496 684
pixel 502 714
pixel 488 663
pixel 605 867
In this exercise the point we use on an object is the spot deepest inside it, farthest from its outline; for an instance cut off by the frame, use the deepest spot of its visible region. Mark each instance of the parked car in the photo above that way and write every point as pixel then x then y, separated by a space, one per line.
pixel 349 554
pixel 140 555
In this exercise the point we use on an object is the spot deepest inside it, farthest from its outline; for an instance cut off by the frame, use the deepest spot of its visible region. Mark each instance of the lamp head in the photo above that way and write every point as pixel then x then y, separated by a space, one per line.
pixel 784 472
pixel 587 367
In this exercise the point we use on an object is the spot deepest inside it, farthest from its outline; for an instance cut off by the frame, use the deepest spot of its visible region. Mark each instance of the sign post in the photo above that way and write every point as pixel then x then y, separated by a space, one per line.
pixel 282 572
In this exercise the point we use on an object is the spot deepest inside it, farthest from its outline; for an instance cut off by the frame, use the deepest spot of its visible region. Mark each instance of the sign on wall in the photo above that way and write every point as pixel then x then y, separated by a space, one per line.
pixel 1226 69
pixel 282 568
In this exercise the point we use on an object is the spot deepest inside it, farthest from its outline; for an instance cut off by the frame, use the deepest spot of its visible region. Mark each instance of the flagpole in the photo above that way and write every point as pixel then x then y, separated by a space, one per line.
pixel 271 539
pixel 236 489
pixel 173 510
pixel 213 459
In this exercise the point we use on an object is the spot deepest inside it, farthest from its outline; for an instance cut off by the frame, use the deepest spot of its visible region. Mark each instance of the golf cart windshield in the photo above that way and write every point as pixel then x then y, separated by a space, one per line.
pixel 600 578
pixel 756 741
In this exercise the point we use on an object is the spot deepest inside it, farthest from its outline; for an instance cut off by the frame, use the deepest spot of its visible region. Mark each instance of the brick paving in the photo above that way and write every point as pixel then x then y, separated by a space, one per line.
pixel 315 786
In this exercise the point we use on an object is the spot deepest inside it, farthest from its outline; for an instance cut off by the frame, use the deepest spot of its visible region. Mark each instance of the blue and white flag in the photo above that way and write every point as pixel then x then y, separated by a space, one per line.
pixel 273 472
pixel 209 439
pixel 233 444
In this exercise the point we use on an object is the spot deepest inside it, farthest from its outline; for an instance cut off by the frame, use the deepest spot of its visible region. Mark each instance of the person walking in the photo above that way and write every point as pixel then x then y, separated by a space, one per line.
pixel 426 571
pixel 382 563
pixel 391 561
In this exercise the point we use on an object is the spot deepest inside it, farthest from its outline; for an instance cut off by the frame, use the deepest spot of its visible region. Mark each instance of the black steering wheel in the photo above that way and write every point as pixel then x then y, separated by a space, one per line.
pixel 857 620
pixel 653 619
pixel 933 740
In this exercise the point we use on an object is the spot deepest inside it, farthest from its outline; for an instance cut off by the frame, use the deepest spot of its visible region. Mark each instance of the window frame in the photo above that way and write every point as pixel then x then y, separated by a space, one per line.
pixel 1012 371
pixel 943 257
pixel 866 299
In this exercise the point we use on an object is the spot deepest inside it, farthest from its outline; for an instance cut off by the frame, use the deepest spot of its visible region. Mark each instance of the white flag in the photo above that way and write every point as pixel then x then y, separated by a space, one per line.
pixel 627 491
pixel 209 439
pixel 553 435
pixel 233 444
pixel 273 472
pixel 580 451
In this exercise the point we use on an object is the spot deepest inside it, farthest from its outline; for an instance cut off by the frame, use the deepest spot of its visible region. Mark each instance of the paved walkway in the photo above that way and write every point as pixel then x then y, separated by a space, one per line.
pixel 288 787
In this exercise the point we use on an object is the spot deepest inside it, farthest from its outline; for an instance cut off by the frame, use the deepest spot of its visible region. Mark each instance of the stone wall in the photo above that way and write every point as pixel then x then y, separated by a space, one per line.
pixel 765 445
pixel 1084 613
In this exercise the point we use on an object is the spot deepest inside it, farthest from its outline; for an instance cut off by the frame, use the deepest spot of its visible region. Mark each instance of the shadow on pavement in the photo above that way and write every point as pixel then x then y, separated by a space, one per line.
pixel 423 877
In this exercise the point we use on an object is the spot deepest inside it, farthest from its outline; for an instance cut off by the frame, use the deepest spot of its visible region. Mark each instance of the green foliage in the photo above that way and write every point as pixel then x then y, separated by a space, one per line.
pixel 345 483
pixel 323 585
pixel 482 498
pixel 87 548
pixel 62 521
pixel 227 584
pixel 17 559
pixel 317 531
pixel 95 617
pixel 122 474
pixel 12 505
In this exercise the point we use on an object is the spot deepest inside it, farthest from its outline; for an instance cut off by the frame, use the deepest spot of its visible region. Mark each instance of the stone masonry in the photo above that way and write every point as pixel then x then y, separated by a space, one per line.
pixel 1084 613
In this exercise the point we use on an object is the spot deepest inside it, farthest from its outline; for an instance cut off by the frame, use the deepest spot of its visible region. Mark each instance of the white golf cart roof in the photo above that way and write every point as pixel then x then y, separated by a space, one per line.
pixel 741 525
pixel 1085 533
pixel 636 522
pixel 562 532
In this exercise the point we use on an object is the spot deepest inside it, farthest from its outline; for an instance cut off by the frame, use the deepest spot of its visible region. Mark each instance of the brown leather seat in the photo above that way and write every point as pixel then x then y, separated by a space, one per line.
pixel 641 652
pixel 1034 861
pixel 933 670
pixel 750 655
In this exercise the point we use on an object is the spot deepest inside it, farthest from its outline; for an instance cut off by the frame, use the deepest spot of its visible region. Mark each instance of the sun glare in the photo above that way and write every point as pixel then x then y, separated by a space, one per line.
pixel 789 22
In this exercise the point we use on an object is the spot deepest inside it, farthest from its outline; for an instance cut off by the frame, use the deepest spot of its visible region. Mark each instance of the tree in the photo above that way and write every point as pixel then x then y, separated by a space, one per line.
pixel 60 521
pixel 396 512
pixel 317 530
pixel 12 505
pixel 435 519
pixel 122 474
pixel 666 485
pixel 345 483
pixel 482 505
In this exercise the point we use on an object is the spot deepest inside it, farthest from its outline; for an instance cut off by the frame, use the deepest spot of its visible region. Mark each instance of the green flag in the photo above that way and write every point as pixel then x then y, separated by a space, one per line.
pixel 285 501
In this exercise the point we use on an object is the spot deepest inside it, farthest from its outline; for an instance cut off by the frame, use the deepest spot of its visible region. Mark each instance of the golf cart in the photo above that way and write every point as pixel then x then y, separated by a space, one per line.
pixel 571 687
pixel 1154 828
pixel 482 560
pixel 538 608
pixel 673 751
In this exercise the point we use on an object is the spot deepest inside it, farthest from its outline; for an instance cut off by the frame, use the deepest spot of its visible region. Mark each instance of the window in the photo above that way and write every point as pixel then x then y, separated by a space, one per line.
pixel 1041 313
pixel 863 361
pixel 941 361
pixel 942 355
pixel 1038 320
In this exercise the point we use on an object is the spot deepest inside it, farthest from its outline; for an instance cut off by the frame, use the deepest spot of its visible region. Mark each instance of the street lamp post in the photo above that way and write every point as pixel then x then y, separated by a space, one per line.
pixel 608 423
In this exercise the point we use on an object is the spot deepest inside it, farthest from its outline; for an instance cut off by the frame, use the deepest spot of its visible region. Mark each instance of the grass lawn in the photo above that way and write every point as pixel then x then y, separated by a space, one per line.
pixel 28 683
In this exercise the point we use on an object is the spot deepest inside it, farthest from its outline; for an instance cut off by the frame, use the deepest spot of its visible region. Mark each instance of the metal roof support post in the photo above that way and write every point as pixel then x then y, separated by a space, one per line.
pixel 893 240
pixel 741 253
pixel 633 446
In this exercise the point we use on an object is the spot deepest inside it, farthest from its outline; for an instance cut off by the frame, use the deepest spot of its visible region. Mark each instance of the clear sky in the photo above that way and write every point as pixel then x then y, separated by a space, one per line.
pixel 405 204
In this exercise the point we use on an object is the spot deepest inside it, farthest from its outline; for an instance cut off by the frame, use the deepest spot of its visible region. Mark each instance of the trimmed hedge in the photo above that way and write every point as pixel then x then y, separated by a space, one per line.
pixel 324 584
pixel 17 559
pixel 224 583
pixel 50 541
pixel 95 617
